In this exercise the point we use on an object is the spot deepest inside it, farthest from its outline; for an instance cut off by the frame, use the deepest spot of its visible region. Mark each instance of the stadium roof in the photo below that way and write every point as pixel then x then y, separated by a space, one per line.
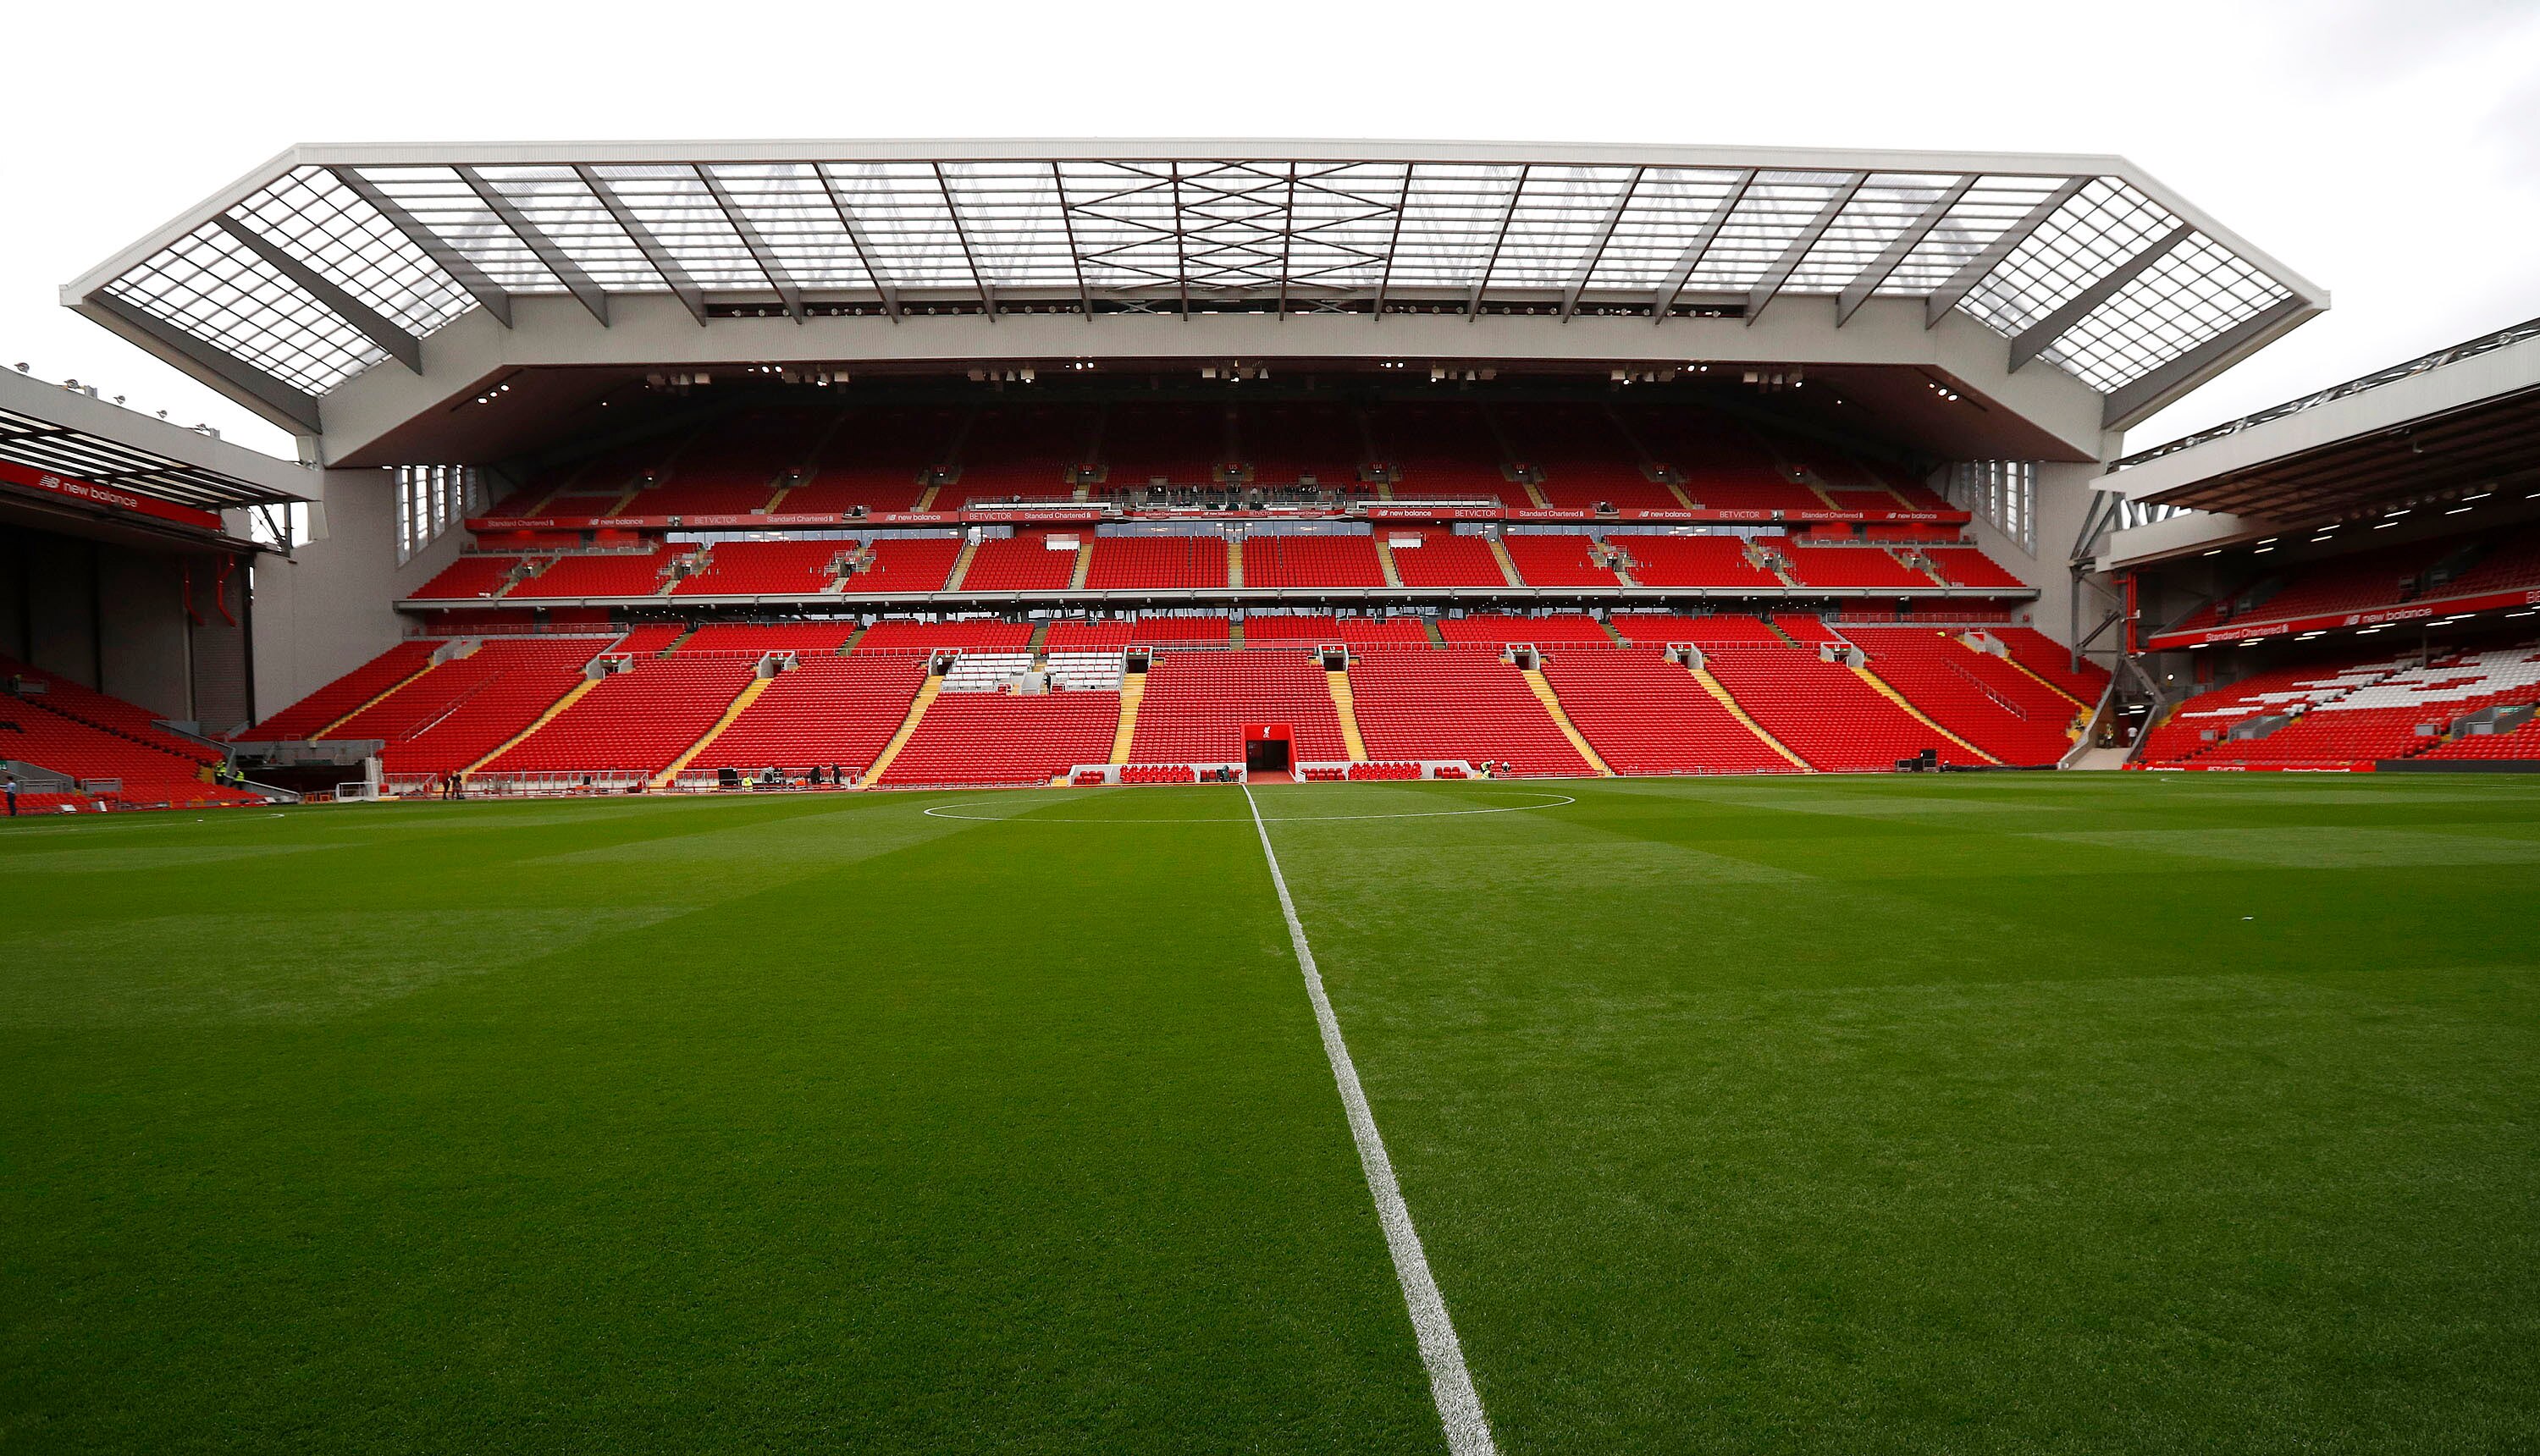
pixel 2458 421
pixel 65 430
pixel 329 260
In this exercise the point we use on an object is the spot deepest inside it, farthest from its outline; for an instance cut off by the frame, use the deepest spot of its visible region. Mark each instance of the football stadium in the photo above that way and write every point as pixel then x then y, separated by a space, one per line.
pixel 1262 796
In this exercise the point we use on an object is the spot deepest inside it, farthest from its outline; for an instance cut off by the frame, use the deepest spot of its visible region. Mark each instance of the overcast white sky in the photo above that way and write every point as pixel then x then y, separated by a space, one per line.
pixel 2388 151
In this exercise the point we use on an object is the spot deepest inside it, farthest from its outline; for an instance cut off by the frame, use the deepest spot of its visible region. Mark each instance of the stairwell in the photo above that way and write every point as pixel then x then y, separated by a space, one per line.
pixel 1083 563
pixel 1729 702
pixel 1436 638
pixel 1133 691
pixel 376 700
pixel 1881 686
pixel 1542 686
pixel 1345 707
pixel 730 714
pixel 1235 561
pixel 961 564
pixel 2024 670
pixel 926 692
pixel 1384 560
pixel 571 697
pixel 1507 562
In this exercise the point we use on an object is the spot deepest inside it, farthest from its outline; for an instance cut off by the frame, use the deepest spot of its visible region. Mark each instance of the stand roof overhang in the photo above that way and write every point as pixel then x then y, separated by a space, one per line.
pixel 331 260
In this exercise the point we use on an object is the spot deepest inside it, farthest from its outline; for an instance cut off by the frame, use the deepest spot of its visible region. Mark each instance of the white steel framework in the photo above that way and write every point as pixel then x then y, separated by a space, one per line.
pixel 330 260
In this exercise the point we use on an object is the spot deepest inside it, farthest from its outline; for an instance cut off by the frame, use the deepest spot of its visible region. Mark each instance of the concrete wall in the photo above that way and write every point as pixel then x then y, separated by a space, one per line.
pixel 114 617
pixel 329 607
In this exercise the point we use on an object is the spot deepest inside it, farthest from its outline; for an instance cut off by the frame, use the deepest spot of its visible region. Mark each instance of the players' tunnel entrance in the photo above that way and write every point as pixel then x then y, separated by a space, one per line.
pixel 1266 747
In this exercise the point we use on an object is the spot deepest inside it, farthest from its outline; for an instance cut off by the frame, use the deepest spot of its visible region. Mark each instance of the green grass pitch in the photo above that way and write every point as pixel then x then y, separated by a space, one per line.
pixel 1970 1114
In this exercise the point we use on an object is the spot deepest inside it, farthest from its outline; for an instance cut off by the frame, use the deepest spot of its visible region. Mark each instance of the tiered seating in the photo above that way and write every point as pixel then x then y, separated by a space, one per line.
pixel 1694 561
pixel 1965 566
pixel 1806 630
pixel 1197 703
pixel 1284 442
pixel 1556 560
pixel 1978 697
pixel 1311 561
pixel 77 731
pixel 346 693
pixel 1850 566
pixel 2384 576
pixel 468 577
pixel 907 564
pixel 1156 631
pixel 1441 449
pixel 1189 563
pixel 1717 629
pixel 874 458
pixel 1585 460
pixel 1824 712
pixel 2514 563
pixel 1445 559
pixel 730 468
pixel 1646 715
pixel 1465 705
pixel 2199 723
pixel 1308 628
pixel 1182 443
pixel 809 639
pixel 613 574
pixel 1023 452
pixel 716 490
pixel 972 632
pixel 2048 658
pixel 1725 468
pixel 2381 718
pixel 1493 630
pixel 764 568
pixel 633 722
pixel 829 712
pixel 650 640
pixel 465 708
pixel 1007 739
pixel 1022 562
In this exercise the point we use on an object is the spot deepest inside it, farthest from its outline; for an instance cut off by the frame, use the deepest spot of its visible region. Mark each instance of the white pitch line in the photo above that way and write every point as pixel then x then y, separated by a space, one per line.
pixel 1556 800
pixel 1450 1385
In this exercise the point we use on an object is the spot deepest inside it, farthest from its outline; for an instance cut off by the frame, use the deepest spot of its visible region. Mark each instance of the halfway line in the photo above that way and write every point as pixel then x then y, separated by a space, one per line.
pixel 1468 1429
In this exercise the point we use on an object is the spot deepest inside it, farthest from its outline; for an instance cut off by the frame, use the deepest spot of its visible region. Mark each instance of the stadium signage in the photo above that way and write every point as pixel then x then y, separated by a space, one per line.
pixel 91 493
pixel 2412 613
pixel 1081 514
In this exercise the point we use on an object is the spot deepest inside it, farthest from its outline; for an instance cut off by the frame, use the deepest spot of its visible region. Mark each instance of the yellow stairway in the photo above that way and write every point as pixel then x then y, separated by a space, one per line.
pixel 1345 704
pixel 366 707
pixel 1133 691
pixel 2023 667
pixel 1235 561
pixel 1507 562
pixel 1083 563
pixel 926 498
pixel 544 719
pixel 961 566
pixel 1736 709
pixel 1917 714
pixel 1384 559
pixel 748 695
pixel 1561 720
pixel 925 694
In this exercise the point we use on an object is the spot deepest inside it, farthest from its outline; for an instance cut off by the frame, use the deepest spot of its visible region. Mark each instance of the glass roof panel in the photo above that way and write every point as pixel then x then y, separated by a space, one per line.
pixel 1461 226
pixel 439 200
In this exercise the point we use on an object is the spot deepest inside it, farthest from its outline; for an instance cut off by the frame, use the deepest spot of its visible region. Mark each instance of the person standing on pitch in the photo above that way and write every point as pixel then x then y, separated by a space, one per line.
pixel 11 788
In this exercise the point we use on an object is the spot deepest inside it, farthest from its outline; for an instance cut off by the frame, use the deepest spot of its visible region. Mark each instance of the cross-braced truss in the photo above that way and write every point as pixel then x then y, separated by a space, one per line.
pixel 333 259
